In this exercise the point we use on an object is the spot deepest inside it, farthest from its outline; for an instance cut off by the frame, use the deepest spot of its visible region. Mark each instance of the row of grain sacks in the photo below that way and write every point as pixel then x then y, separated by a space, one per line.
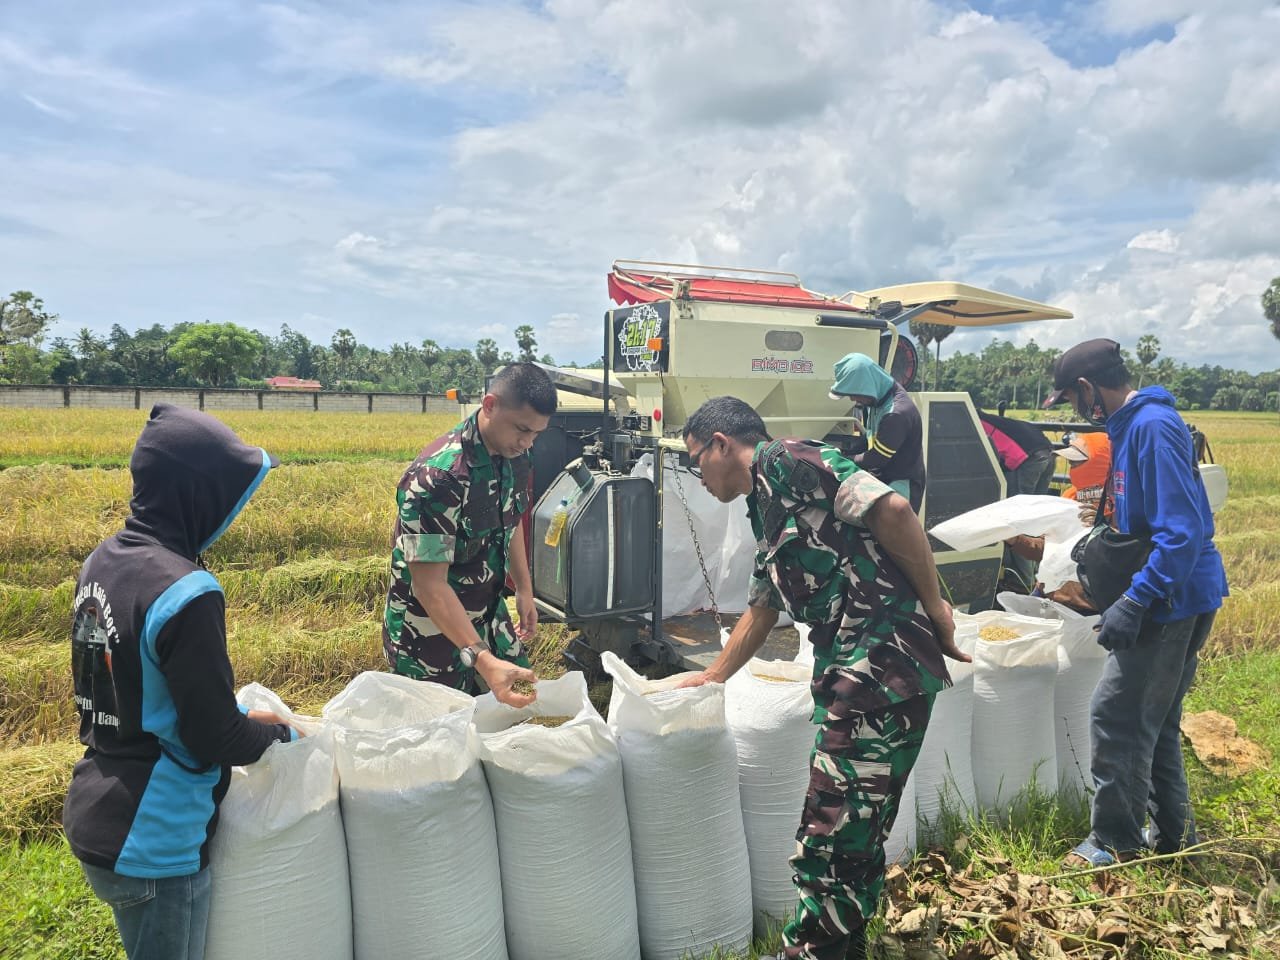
pixel 1017 717
pixel 417 821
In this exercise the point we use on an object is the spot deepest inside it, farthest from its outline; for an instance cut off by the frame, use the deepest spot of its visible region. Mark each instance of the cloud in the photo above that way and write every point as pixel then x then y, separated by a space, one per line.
pixel 457 168
pixel 52 111
pixel 1161 241
pixel 1133 16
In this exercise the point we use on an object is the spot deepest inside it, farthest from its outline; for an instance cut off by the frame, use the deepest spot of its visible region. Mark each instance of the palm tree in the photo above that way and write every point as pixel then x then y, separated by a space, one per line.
pixel 87 346
pixel 1148 349
pixel 935 332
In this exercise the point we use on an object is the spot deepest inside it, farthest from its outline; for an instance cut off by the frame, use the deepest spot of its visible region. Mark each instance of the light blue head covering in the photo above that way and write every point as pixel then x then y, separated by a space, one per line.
pixel 859 375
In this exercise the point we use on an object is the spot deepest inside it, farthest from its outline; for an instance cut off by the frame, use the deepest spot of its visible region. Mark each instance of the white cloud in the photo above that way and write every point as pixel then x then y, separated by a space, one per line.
pixel 49 109
pixel 1131 16
pixel 1160 241
pixel 397 167
pixel 569 332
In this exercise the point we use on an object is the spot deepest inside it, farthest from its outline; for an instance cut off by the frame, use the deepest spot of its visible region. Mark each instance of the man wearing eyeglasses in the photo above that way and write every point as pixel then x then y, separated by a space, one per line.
pixel 840 551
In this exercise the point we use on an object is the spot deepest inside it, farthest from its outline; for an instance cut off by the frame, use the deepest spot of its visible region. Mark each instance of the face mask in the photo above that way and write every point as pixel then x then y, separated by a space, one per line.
pixel 1094 413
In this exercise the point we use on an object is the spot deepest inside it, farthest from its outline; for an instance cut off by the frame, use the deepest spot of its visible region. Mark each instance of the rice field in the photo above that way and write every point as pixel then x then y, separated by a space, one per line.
pixel 304 572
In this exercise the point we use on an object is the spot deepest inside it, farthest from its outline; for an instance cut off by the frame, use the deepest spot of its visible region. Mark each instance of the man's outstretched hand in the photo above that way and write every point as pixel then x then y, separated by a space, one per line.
pixel 502 678
pixel 944 629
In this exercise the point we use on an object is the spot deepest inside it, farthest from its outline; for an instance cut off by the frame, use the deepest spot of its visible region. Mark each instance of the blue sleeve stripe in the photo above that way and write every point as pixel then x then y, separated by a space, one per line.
pixel 235 511
pixel 171 822
pixel 159 715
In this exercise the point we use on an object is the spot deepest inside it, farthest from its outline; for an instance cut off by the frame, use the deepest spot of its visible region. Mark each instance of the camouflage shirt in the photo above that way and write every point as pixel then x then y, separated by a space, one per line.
pixel 873 644
pixel 459 505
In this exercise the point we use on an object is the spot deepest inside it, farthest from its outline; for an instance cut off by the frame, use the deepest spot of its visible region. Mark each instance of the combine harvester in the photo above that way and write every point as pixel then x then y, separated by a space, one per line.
pixel 680 335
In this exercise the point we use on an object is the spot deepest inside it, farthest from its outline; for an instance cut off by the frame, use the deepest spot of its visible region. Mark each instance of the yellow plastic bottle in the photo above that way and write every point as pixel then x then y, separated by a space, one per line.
pixel 556 527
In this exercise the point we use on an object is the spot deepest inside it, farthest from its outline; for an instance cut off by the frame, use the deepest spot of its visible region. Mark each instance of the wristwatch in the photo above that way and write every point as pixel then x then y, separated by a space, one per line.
pixel 469 655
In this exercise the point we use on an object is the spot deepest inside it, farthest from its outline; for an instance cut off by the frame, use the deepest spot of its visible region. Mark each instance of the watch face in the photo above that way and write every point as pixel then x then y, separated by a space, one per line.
pixel 468 657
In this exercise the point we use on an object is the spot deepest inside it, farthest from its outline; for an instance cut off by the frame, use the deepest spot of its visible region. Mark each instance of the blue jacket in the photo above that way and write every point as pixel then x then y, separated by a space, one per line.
pixel 1158 493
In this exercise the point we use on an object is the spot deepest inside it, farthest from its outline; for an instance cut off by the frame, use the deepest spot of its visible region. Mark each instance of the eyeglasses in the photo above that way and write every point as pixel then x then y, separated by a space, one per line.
pixel 695 468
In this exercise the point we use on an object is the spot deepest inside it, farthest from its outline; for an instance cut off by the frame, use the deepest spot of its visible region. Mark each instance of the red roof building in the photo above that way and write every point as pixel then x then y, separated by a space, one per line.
pixel 292 383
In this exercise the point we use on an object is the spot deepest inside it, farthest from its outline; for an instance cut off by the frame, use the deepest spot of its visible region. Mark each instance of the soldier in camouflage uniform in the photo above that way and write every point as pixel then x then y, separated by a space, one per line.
pixel 457 536
pixel 840 551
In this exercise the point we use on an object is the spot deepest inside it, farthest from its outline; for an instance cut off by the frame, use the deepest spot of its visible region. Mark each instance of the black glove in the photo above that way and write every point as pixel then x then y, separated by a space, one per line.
pixel 1118 629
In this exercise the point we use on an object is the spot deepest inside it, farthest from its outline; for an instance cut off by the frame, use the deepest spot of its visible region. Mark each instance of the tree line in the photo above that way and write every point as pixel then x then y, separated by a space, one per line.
pixel 229 355
pixel 1021 377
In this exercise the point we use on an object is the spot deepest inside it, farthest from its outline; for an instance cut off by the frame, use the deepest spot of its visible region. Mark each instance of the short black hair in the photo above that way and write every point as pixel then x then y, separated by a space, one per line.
pixel 728 415
pixel 1112 378
pixel 525 384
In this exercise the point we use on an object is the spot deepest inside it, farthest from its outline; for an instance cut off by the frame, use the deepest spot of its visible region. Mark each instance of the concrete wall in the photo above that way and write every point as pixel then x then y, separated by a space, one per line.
pixel 145 398
pixel 272 400
pixel 231 400
pixel 396 403
pixel 343 402
pixel 179 398
pixel 11 396
pixel 104 398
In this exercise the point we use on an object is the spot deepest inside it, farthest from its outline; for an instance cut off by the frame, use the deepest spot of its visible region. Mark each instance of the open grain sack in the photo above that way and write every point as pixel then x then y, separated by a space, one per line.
pixel 278 861
pixel 1015 669
pixel 564 845
pixel 769 709
pixel 1035 515
pixel 1080 663
pixel 680 770
pixel 943 774
pixel 421 841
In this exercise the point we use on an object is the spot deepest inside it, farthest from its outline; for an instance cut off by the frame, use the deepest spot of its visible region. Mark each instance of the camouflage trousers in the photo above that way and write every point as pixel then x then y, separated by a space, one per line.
pixel 858 770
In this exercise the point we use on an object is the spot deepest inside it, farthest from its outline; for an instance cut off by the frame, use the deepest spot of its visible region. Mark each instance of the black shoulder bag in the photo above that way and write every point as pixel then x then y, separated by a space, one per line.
pixel 1107 560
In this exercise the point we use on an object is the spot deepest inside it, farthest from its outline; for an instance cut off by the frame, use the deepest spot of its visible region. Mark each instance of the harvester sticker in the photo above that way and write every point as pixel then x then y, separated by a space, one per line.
pixel 780 365
pixel 641 336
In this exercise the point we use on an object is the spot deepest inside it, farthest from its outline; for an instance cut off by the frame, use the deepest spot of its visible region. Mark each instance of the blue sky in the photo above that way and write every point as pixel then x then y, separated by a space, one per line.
pixel 453 170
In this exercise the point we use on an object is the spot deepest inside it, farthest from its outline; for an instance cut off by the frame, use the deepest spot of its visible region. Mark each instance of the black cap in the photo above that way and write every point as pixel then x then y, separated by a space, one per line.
pixel 1082 361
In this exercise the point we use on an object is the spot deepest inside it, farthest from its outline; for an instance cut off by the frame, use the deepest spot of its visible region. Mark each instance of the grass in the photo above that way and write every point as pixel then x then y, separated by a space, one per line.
pixel 105 438
pixel 338 510
pixel 986 870
pixel 304 572
pixel 35 779
pixel 49 912
pixel 1241 685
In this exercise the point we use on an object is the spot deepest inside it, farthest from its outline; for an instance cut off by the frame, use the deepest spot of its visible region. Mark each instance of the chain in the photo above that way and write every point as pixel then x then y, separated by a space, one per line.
pixel 697 547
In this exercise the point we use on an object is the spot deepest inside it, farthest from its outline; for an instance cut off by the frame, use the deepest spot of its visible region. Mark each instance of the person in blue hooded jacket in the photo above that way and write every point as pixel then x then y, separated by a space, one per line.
pixel 895 435
pixel 153 687
pixel 1155 631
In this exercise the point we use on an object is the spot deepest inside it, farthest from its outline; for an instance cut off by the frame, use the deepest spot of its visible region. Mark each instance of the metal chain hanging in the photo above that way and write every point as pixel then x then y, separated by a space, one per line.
pixel 697 546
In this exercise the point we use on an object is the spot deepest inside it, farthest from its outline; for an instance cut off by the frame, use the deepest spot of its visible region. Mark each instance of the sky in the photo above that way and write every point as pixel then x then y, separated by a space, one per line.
pixel 451 170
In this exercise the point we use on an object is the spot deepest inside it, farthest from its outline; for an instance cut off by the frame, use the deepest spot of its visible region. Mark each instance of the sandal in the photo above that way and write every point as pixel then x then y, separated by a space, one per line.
pixel 1087 855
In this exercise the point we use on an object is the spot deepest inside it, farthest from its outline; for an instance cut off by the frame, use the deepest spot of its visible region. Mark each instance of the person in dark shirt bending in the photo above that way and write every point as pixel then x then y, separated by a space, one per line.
pixel 895 435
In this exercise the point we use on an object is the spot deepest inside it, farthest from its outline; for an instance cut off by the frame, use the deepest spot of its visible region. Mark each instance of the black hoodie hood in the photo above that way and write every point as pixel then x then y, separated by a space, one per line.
pixel 191 476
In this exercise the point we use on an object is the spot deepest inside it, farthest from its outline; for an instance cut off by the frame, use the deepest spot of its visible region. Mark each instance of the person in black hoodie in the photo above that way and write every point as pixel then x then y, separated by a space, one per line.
pixel 153 686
